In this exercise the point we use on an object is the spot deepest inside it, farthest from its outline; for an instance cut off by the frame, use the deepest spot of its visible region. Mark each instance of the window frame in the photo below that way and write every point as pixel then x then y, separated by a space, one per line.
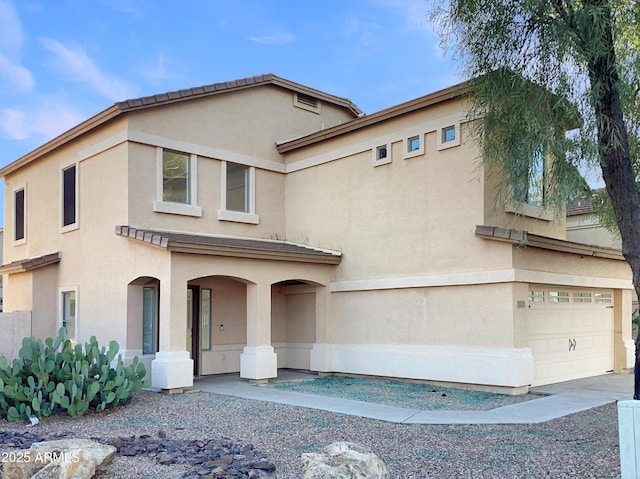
pixel 536 179
pixel 406 145
pixel 171 207
pixel 23 239
pixel 249 216
pixel 375 158
pixel 75 224
pixel 154 333
pixel 440 135
pixel 61 310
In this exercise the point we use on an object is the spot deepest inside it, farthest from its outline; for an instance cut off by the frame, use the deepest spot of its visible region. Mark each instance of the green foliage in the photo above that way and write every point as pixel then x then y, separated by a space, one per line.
pixel 543 67
pixel 56 375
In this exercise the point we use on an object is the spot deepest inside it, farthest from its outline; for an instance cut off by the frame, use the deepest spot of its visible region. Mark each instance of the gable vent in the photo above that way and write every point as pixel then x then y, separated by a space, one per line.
pixel 306 102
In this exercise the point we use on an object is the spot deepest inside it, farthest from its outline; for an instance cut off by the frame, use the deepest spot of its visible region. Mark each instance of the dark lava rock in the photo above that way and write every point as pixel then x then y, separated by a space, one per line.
pixel 206 458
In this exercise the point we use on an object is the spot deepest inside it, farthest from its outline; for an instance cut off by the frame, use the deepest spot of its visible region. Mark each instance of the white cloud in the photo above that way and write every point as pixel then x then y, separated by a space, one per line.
pixel 47 121
pixel 11 35
pixel 17 75
pixel 274 38
pixel 82 68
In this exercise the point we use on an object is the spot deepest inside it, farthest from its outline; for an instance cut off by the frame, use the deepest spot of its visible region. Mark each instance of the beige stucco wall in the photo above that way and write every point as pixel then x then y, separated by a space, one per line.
pixel 585 228
pixel 241 121
pixel 413 216
pixel 143 192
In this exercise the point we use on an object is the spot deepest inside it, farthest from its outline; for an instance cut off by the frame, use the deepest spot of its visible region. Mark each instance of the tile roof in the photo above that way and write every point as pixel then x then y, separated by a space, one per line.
pixel 526 239
pixel 171 97
pixel 214 88
pixel 28 264
pixel 229 246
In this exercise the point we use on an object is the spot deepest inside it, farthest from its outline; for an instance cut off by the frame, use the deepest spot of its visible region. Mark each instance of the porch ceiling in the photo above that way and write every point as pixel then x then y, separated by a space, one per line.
pixel 228 246
pixel 28 264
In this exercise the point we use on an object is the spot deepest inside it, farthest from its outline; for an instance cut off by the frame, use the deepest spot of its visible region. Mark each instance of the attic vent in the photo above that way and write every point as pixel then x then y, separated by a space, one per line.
pixel 306 102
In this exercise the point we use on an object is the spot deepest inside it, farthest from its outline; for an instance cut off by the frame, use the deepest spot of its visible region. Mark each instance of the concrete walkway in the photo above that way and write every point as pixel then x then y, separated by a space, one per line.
pixel 562 399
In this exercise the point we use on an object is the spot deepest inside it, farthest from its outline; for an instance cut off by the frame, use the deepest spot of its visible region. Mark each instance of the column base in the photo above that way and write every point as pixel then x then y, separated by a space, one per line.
pixel 258 362
pixel 320 357
pixel 172 370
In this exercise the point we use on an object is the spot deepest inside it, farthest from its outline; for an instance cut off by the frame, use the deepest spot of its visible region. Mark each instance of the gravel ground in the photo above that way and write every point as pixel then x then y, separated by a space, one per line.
pixel 583 445
pixel 410 395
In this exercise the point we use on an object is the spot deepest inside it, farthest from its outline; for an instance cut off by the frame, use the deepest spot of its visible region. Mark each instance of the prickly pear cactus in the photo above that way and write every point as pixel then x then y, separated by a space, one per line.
pixel 56 375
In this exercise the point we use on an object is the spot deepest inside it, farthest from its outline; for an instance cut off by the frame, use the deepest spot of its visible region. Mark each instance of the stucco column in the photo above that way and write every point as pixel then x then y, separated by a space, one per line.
pixel 258 361
pixel 623 344
pixel 320 356
pixel 172 368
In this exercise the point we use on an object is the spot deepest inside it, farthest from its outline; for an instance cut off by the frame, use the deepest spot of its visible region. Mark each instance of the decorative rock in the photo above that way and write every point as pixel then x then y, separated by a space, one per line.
pixel 204 458
pixel 61 459
pixel 343 460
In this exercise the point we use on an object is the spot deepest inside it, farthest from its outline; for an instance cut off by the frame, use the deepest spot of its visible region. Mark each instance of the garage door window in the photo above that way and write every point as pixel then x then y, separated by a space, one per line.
pixel 581 297
pixel 536 296
pixel 558 296
pixel 603 298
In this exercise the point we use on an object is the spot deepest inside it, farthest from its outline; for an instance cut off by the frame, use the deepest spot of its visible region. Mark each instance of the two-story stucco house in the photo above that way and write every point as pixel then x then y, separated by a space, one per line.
pixel 260 224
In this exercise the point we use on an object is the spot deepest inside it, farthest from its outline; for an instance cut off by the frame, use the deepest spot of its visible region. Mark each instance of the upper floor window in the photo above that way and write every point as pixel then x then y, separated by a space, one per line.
pixel 19 215
pixel 448 136
pixel 175 176
pixel 237 187
pixel 413 146
pixel 177 183
pixel 238 193
pixel 535 185
pixel 69 197
pixel 381 155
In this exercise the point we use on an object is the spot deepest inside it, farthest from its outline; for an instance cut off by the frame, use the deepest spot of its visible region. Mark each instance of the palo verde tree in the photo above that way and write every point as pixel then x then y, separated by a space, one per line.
pixel 558 78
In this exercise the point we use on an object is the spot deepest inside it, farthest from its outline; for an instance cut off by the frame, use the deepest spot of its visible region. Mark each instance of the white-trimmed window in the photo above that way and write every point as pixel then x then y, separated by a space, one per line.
pixel 536 296
pixel 68 311
pixel 205 319
pixel 558 296
pixel 177 176
pixel 69 198
pixel 534 194
pixel 381 155
pixel 149 320
pixel 448 136
pixel 413 146
pixel 238 195
pixel 582 297
pixel 20 215
pixel 603 298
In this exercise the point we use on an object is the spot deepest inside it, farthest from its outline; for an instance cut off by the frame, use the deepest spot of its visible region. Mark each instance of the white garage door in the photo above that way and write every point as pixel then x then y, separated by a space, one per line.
pixel 570 333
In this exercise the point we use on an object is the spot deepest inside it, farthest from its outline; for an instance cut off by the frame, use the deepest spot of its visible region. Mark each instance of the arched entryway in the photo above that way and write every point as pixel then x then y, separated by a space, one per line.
pixel 142 338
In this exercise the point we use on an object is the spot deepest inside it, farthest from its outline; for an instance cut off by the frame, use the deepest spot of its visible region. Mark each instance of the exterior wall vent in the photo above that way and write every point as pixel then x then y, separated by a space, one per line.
pixel 306 102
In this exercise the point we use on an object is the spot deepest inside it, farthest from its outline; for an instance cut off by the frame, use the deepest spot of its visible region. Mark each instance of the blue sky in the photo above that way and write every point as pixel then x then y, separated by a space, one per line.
pixel 62 61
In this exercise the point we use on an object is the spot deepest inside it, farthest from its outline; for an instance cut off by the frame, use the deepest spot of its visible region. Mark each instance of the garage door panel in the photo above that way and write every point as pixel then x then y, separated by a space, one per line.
pixel 569 340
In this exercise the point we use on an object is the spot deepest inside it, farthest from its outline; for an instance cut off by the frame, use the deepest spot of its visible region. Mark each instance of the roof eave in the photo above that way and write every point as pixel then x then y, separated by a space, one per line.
pixel 178 247
pixel 60 140
pixel 440 96
pixel 523 238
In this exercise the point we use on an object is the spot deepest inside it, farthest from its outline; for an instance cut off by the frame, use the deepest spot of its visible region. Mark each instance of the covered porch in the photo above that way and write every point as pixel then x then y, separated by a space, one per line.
pixel 221 305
